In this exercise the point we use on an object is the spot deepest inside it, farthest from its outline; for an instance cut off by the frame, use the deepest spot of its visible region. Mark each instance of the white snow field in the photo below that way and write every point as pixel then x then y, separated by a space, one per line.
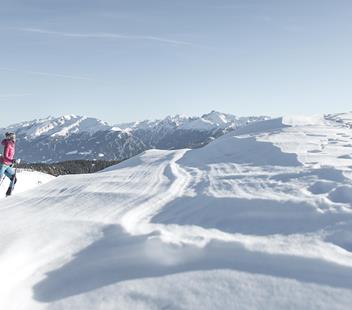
pixel 26 180
pixel 260 218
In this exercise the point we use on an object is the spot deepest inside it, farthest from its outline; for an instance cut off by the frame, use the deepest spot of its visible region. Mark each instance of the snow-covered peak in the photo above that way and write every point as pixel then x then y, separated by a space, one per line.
pixel 67 125
pixel 198 124
pixel 136 125
pixel 77 124
pixel 169 121
pixel 206 122
pixel 219 118
pixel 59 127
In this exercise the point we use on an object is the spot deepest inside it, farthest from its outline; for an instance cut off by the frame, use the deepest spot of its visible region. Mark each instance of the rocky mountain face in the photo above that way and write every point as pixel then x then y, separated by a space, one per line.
pixel 73 137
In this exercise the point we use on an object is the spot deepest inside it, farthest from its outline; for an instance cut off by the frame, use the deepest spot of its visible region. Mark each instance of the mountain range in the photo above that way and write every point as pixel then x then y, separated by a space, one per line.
pixel 73 137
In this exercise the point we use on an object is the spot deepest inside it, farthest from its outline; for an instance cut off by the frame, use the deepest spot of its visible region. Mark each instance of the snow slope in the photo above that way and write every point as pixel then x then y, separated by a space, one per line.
pixel 26 180
pixel 259 218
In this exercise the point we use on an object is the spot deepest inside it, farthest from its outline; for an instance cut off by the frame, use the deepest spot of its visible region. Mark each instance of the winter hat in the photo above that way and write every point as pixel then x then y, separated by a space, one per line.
pixel 10 136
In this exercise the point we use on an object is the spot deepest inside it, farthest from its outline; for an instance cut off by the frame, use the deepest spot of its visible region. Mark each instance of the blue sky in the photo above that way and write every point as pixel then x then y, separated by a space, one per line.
pixel 135 59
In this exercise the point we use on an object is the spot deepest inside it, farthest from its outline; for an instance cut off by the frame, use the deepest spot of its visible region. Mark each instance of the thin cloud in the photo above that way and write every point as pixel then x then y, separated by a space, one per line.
pixel 104 35
pixel 49 74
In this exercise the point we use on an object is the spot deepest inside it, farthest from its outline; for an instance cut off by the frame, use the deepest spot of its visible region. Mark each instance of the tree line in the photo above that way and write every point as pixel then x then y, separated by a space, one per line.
pixel 69 167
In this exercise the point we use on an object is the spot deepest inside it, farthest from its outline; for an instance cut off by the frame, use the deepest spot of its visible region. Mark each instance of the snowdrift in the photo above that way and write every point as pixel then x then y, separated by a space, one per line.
pixel 259 218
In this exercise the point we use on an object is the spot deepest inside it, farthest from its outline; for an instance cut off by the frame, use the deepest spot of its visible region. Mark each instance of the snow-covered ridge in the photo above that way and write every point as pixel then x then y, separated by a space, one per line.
pixel 67 125
pixel 207 122
pixel 58 127
pixel 169 121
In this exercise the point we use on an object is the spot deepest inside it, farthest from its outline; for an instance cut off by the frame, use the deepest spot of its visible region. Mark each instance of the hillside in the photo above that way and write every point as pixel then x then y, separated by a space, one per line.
pixel 27 180
pixel 260 216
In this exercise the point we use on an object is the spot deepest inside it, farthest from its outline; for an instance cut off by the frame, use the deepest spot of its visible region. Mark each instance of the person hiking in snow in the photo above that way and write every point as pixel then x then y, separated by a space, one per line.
pixel 7 160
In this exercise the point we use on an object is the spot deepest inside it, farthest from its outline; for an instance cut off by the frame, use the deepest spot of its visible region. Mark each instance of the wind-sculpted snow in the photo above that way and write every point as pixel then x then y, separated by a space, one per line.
pixel 261 216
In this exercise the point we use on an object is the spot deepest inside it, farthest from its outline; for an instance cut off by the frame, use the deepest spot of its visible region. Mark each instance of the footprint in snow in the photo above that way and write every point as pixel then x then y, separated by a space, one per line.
pixel 321 187
pixel 347 156
pixel 341 194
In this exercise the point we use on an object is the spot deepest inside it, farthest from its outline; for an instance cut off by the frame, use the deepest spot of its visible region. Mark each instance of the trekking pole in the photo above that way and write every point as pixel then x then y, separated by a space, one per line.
pixel 17 162
pixel 2 179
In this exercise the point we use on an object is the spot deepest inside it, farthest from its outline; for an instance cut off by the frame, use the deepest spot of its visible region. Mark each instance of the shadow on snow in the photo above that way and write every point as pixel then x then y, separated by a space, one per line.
pixel 119 257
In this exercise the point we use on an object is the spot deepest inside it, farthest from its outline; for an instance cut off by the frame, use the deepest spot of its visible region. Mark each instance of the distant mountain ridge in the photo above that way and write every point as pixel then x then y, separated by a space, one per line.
pixel 58 126
pixel 73 137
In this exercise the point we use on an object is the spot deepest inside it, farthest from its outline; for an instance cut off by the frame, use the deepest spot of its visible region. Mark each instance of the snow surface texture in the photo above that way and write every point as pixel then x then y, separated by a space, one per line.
pixel 26 180
pixel 260 218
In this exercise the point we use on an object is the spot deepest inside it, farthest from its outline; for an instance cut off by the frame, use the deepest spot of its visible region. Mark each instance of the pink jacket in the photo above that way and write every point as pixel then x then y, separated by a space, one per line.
pixel 9 152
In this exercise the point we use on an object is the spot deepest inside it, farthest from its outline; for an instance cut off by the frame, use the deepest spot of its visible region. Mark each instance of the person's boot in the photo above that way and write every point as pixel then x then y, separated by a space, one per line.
pixel 12 185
